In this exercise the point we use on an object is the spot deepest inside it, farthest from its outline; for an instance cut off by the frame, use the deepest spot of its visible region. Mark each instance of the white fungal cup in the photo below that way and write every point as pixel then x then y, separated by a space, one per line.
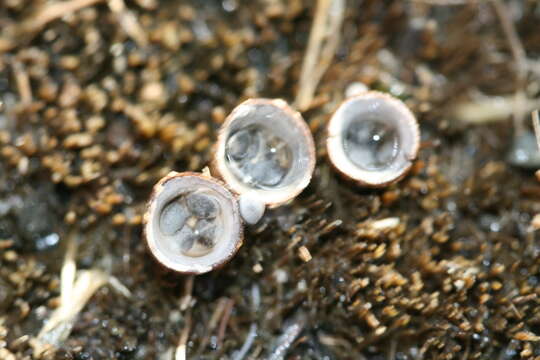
pixel 373 139
pixel 265 148
pixel 193 223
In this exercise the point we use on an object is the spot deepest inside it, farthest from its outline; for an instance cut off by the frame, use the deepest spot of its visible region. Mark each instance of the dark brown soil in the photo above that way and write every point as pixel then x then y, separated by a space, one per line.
pixel 98 103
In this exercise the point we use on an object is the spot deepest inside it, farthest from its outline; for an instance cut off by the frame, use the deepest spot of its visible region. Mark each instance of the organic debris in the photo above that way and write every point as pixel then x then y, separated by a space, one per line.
pixel 100 99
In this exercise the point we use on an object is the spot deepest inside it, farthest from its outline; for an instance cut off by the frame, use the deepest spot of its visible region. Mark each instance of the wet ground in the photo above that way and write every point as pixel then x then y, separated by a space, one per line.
pixel 100 99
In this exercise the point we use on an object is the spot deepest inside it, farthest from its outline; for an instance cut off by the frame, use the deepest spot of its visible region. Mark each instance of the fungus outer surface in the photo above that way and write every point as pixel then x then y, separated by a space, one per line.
pixel 251 208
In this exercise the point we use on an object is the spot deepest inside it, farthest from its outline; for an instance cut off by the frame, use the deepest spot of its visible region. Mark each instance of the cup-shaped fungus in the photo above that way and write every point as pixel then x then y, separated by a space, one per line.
pixel 373 139
pixel 265 148
pixel 192 224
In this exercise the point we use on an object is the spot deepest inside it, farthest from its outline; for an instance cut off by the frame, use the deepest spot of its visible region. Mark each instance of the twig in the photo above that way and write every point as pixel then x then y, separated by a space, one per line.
pixel 520 59
pixel 180 353
pixel 445 2
pixel 129 22
pixel 22 81
pixel 224 321
pixel 58 9
pixel 44 15
pixel 76 289
pixel 255 297
pixel 250 338
pixel 255 354
pixel 216 315
pixel 323 41
pixel 518 52
pixel 119 287
pixel 68 271
pixel 252 334
pixel 489 109
pixel 188 289
pixel 58 327
pixel 467 349
pixel 52 12
pixel 285 340
pixel 392 351
pixel 536 126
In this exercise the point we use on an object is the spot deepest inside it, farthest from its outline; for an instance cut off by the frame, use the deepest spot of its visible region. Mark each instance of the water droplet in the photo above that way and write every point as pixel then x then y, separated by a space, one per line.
pixel 371 144
pixel 258 157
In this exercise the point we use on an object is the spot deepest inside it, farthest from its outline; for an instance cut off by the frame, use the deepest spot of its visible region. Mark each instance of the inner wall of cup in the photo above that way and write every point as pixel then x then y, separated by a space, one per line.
pixel 376 110
pixel 178 187
pixel 273 119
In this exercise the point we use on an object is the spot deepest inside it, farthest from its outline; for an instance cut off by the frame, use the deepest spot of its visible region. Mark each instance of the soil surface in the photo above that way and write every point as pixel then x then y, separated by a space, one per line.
pixel 100 99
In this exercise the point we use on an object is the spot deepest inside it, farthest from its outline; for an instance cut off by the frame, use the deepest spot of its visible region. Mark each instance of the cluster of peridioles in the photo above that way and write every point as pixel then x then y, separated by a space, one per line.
pixel 264 157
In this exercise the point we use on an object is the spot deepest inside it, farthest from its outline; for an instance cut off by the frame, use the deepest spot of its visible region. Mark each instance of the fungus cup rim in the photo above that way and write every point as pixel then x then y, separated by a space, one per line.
pixel 407 125
pixel 236 237
pixel 275 197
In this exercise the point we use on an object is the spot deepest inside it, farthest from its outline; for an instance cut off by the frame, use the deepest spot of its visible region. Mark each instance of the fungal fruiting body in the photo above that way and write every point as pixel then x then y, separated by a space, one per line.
pixel 193 223
pixel 265 148
pixel 524 151
pixel 251 208
pixel 373 139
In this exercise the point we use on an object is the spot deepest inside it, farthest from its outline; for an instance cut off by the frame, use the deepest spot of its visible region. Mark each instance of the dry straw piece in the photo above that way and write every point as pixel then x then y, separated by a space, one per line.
pixel 192 224
pixel 265 148
pixel 373 139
